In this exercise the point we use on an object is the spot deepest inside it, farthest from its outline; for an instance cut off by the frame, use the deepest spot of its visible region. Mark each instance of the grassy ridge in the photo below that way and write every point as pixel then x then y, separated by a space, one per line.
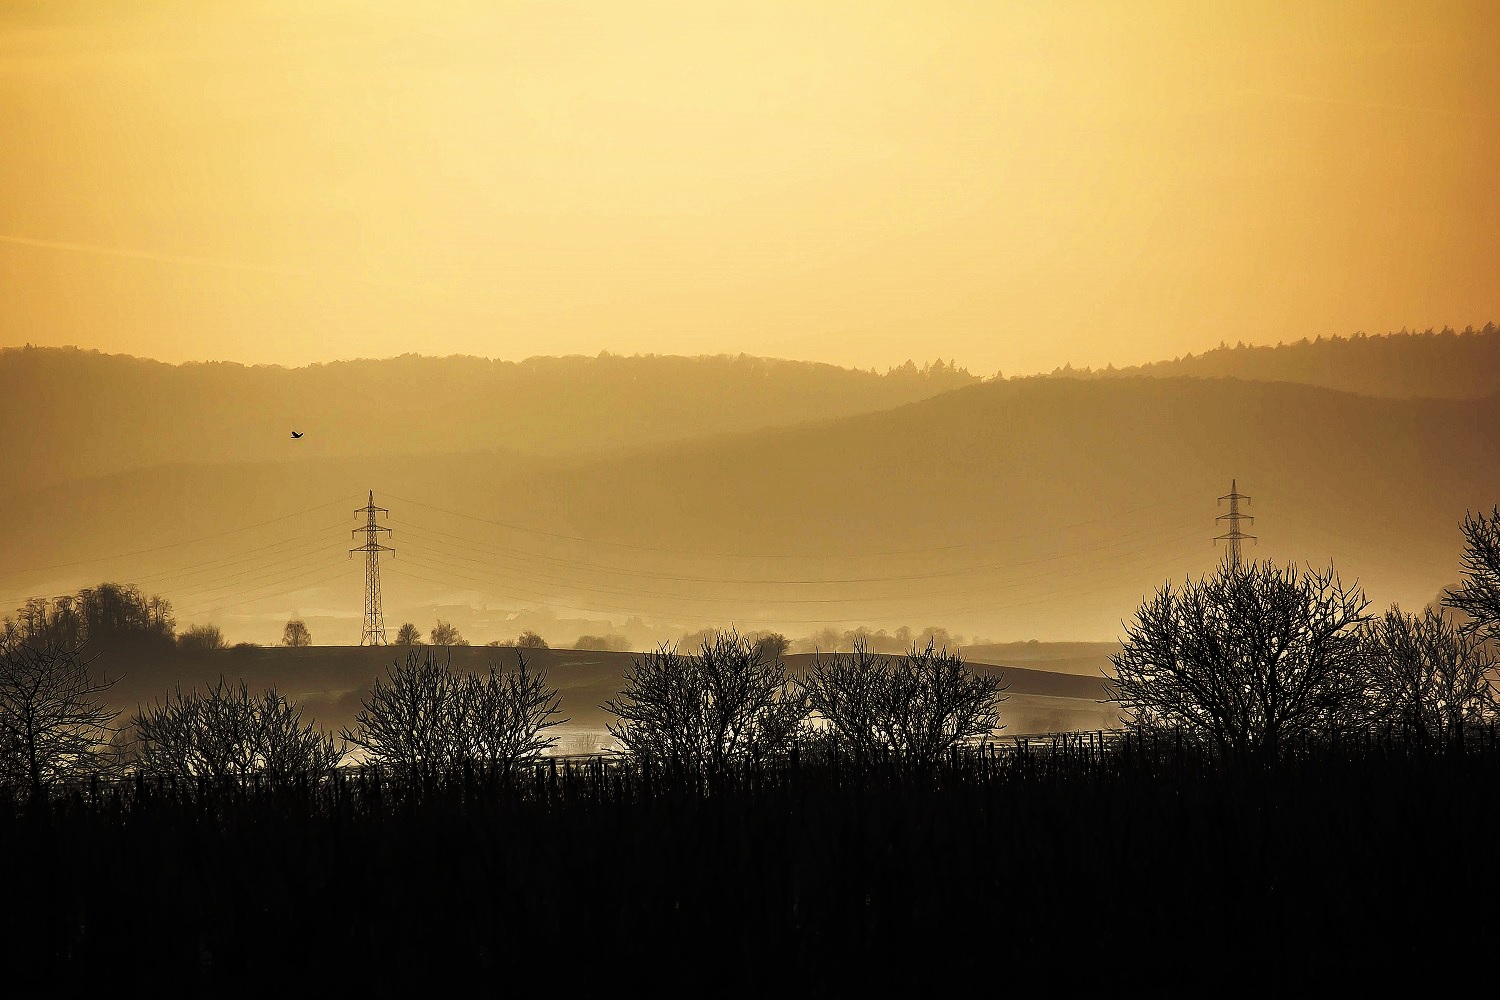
pixel 328 682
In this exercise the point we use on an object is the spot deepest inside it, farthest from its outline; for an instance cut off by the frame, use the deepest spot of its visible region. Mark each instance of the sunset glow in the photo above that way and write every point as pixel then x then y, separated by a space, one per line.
pixel 1016 186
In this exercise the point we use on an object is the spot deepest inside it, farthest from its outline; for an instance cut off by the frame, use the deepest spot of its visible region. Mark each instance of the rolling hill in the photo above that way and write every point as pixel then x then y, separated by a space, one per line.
pixel 1031 508
pixel 329 682
pixel 68 413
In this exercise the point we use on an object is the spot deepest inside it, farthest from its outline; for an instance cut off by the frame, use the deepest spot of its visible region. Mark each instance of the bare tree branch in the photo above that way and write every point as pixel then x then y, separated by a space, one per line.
pixel 53 723
pixel 1245 659
pixel 918 705
pixel 695 713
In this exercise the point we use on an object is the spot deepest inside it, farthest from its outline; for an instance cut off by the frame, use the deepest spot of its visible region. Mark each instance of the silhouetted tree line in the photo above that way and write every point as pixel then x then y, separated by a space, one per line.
pixel 849 873
pixel 427 719
pixel 878 640
pixel 821 850
pixel 690 716
pixel 1430 363
pixel 732 703
pixel 109 614
pixel 1250 662
pixel 1257 658
pixel 227 732
pixel 113 615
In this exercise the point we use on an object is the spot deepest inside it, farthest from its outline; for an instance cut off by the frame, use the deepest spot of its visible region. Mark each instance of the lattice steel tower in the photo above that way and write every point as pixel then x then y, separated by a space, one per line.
pixel 1234 536
pixel 374 633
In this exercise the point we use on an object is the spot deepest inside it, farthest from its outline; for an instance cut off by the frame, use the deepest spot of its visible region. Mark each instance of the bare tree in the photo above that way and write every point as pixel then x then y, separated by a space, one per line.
pixel 919 705
pixel 530 640
pixel 53 723
pixel 407 721
pixel 408 635
pixel 445 634
pixel 296 634
pixel 1426 674
pixel 227 732
pixel 851 694
pixel 939 702
pixel 1479 597
pixel 1246 659
pixel 697 712
pixel 427 717
pixel 503 717
pixel 773 645
pixel 201 637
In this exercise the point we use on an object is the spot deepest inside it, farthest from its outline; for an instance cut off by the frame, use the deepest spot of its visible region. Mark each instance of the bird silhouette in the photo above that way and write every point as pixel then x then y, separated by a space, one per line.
pixel 296 435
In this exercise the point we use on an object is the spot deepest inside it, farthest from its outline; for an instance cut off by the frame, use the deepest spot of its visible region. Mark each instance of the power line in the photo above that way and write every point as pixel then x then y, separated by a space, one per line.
pixel 189 541
pixel 282 563
pixel 1101 548
pixel 165 581
pixel 990 606
pixel 445 562
pixel 321 579
pixel 248 576
pixel 301 542
pixel 925 550
pixel 593 605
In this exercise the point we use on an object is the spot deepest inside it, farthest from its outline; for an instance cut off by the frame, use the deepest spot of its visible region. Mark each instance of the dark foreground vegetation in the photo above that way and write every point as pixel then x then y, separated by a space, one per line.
pixel 1305 794
pixel 1072 864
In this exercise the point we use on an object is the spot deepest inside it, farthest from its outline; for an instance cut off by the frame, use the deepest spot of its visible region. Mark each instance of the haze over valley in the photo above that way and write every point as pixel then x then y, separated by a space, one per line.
pixel 566 497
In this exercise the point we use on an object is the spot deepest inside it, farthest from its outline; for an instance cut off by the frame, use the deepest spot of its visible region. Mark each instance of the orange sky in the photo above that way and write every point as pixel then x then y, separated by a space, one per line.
pixel 1013 185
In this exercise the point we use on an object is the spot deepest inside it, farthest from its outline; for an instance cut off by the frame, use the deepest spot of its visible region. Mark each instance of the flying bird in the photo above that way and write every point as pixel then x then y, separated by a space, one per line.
pixel 296 435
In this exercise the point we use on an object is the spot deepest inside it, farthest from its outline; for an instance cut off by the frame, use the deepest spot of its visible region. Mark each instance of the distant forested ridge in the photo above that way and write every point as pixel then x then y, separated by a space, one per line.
pixel 67 413
pixel 1434 364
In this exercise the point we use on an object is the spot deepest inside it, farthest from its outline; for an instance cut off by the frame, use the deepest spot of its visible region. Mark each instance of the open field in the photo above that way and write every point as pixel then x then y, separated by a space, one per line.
pixel 328 683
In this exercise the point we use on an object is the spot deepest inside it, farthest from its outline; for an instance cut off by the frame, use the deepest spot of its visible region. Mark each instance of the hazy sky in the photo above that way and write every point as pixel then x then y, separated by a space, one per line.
pixel 1013 185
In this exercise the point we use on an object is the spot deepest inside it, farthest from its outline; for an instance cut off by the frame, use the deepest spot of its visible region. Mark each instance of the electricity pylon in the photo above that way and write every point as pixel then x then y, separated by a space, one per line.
pixel 1234 536
pixel 374 631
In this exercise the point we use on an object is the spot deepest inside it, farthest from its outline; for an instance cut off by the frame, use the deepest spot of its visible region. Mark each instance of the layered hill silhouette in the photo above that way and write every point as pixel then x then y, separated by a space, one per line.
pixel 1435 364
pixel 67 413
pixel 1031 508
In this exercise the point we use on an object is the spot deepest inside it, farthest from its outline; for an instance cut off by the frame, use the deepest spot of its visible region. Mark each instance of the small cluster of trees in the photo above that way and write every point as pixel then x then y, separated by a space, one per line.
pixel 526 640
pixel 447 634
pixel 1255 657
pixel 727 701
pixel 116 615
pixel 111 613
pixel 881 641
pixel 689 713
pixel 227 732
pixel 917 705
pixel 602 643
pixel 427 718
pixel 734 700
pixel 1250 660
pixel 199 638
